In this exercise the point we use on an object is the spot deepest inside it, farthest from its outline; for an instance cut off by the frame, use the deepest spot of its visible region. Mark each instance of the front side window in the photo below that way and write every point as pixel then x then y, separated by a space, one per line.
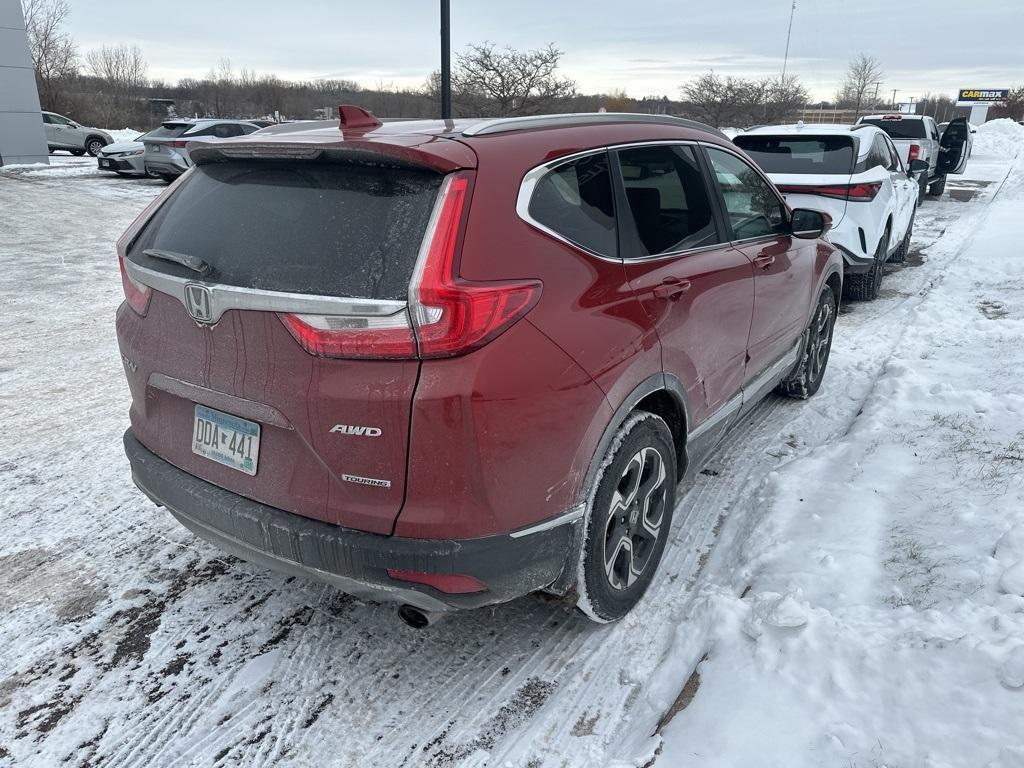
pixel 753 207
pixel 668 199
pixel 575 201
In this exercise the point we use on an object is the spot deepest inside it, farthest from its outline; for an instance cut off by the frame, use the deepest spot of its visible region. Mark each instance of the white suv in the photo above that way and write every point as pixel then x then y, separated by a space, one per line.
pixel 854 174
pixel 64 133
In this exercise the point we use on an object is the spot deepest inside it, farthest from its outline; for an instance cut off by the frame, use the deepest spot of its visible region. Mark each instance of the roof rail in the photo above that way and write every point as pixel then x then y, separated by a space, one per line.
pixel 508 124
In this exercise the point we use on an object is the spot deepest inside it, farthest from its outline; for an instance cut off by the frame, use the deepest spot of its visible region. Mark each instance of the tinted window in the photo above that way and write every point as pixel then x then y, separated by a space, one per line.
pixel 753 208
pixel 168 131
pixel 220 131
pixel 900 129
pixel 668 199
pixel 315 228
pixel 575 200
pixel 800 154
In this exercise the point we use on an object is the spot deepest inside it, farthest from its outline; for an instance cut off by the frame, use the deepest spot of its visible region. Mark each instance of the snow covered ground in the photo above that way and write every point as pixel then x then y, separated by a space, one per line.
pixel 840 590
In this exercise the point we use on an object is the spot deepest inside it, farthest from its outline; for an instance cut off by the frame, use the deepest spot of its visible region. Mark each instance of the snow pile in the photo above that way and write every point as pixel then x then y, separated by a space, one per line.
pixel 124 134
pixel 1003 137
pixel 885 621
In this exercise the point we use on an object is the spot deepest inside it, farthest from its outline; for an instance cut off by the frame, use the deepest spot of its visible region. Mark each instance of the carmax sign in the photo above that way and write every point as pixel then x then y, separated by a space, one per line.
pixel 977 96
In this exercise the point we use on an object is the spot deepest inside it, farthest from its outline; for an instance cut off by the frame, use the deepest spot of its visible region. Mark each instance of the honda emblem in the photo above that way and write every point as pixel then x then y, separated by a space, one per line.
pixel 199 302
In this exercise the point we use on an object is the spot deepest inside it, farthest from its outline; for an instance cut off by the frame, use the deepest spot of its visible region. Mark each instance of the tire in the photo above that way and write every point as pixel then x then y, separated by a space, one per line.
pixel 806 378
pixel 628 519
pixel 94 145
pixel 77 152
pixel 922 187
pixel 167 177
pixel 900 255
pixel 866 286
pixel 937 187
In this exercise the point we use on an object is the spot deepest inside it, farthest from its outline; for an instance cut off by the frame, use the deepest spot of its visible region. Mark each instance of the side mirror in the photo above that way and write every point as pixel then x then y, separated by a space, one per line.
pixel 917 166
pixel 808 224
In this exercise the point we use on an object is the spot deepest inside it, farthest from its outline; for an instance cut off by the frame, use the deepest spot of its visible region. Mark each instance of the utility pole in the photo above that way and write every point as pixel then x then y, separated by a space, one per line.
pixel 874 104
pixel 789 33
pixel 446 60
pixel 894 98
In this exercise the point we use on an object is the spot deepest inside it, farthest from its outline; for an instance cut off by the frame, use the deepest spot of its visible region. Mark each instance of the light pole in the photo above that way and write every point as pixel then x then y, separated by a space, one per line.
pixel 446 60
pixel 789 33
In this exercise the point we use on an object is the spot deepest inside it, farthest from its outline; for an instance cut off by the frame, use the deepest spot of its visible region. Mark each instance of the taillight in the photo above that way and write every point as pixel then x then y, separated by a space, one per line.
pixel 353 337
pixel 453 316
pixel 914 152
pixel 136 294
pixel 446 316
pixel 179 144
pixel 856 192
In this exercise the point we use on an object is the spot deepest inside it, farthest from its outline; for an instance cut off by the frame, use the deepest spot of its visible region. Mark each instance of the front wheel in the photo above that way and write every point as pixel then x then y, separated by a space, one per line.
pixel 77 152
pixel 628 519
pixel 806 378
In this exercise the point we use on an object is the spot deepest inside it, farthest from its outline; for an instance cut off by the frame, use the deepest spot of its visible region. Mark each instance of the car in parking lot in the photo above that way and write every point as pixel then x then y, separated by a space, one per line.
pixel 856 175
pixel 166 152
pixel 125 158
pixel 64 133
pixel 917 137
pixel 450 363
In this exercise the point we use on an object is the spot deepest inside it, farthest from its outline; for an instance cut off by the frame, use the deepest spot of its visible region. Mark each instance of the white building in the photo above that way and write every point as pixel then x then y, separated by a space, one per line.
pixel 21 124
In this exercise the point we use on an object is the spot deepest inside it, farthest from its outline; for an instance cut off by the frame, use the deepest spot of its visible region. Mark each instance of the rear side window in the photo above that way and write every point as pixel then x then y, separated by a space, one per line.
pixel 172 131
pixel 575 200
pixel 332 229
pixel 668 199
pixel 900 129
pixel 800 154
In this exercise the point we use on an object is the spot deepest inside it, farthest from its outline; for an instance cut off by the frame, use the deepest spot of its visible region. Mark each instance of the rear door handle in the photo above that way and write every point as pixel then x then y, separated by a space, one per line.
pixel 672 288
pixel 764 261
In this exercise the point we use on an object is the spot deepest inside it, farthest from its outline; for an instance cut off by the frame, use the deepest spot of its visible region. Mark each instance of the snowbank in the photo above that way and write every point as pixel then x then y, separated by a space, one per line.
pixel 1003 137
pixel 124 134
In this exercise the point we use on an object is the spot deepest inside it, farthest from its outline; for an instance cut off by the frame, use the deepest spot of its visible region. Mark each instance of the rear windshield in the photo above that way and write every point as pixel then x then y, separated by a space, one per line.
pixel 900 129
pixel 800 154
pixel 332 229
pixel 168 131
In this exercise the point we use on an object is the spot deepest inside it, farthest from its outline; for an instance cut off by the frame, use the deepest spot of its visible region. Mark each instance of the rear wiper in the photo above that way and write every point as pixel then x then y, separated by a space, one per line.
pixel 187 260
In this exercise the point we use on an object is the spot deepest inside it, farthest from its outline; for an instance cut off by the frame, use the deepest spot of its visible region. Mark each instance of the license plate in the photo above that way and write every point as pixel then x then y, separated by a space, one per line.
pixel 104 163
pixel 226 439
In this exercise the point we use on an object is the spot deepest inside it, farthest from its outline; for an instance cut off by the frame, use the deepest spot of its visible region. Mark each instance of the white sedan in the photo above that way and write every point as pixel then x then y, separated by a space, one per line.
pixel 854 174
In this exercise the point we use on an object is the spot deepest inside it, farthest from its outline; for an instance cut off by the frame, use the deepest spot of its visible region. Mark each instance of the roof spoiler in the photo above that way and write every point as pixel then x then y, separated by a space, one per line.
pixel 353 118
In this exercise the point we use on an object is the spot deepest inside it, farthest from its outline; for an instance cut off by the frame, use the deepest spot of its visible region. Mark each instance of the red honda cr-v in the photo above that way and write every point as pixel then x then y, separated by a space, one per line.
pixel 448 364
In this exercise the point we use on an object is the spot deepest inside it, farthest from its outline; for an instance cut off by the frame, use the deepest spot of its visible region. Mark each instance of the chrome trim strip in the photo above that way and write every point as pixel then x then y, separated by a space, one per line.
pixel 571 516
pixel 228 297
pixel 728 409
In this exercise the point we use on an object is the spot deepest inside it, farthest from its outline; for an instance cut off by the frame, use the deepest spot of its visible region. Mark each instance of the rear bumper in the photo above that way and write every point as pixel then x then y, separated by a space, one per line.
pixel 355 562
pixel 164 167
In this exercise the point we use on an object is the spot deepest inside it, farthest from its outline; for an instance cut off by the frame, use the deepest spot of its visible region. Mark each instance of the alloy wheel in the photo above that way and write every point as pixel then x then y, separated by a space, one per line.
pixel 820 340
pixel 635 519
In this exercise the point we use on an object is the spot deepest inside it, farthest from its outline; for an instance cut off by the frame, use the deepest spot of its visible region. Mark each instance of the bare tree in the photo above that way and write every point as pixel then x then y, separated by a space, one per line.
pixel 863 77
pixel 121 71
pixel 1013 107
pixel 489 81
pixel 54 56
pixel 739 102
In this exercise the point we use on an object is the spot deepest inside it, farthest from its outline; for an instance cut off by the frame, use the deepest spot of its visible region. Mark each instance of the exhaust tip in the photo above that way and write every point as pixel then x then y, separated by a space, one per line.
pixel 416 618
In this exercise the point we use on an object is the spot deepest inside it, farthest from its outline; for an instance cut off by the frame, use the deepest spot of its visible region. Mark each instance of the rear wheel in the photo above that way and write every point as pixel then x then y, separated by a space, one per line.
pixel 866 286
pixel 167 177
pixel 806 377
pixel 93 146
pixel 922 187
pixel 77 152
pixel 628 519
pixel 937 187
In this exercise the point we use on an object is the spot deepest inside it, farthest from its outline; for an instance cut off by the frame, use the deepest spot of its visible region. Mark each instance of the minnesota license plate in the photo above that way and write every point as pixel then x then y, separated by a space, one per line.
pixel 226 439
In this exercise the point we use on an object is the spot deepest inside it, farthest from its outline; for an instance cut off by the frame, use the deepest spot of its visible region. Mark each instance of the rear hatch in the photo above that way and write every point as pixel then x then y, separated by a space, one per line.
pixel 903 132
pixel 811 171
pixel 274 354
pixel 161 141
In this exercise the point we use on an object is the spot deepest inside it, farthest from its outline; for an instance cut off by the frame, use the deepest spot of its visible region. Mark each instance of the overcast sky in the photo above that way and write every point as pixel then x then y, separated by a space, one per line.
pixel 646 47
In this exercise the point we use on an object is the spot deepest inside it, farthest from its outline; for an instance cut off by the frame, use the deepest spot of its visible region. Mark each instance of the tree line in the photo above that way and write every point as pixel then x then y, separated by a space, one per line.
pixel 111 87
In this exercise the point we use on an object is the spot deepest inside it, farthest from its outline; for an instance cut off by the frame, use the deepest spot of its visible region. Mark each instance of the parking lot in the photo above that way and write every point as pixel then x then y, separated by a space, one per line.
pixel 126 641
